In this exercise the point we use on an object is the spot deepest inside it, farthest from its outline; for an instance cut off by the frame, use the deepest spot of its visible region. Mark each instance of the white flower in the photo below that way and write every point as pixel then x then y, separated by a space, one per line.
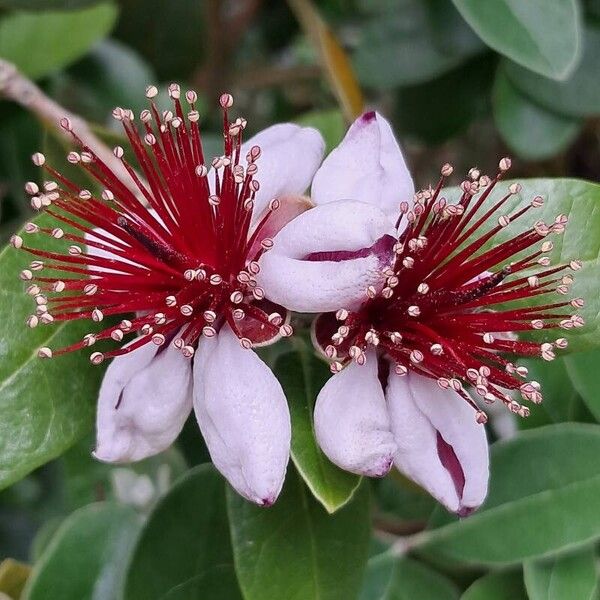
pixel 413 334
pixel 180 272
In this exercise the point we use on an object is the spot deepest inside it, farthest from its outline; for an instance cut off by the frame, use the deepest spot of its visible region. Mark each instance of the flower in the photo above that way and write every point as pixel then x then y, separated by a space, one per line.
pixel 172 265
pixel 425 312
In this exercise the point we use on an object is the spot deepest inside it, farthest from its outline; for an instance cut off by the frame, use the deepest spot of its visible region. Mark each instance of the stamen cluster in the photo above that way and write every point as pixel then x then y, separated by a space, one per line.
pixel 449 309
pixel 174 254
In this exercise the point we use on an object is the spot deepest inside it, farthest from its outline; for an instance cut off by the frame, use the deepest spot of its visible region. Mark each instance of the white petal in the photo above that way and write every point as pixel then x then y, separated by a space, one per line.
pixel 367 165
pixel 329 282
pixel 352 425
pixel 452 416
pixel 243 416
pixel 144 401
pixel 421 412
pixel 290 156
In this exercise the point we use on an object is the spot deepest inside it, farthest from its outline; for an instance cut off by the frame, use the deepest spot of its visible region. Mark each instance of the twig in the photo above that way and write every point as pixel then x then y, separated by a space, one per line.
pixel 16 87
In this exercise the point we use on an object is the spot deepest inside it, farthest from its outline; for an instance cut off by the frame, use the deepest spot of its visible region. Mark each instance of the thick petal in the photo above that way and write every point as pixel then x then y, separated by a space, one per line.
pixel 367 165
pixel 144 401
pixel 327 257
pixel 290 156
pixel 352 425
pixel 243 416
pixel 290 207
pixel 440 444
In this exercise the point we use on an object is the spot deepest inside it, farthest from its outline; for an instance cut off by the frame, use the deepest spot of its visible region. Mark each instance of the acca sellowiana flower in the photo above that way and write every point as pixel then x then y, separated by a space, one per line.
pixel 172 269
pixel 419 317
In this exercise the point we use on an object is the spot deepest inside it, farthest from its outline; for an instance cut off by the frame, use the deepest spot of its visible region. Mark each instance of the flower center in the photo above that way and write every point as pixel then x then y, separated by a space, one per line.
pixel 178 248
pixel 449 307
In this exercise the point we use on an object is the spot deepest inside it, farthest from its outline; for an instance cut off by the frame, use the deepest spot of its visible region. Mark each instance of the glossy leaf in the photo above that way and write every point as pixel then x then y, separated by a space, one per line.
pixel 584 370
pixel 390 578
pixel 411 41
pixel 46 405
pixel 87 556
pixel 542 36
pixel 579 95
pixel 217 582
pixel 184 540
pixel 112 74
pixel 529 130
pixel 302 375
pixel 25 38
pixel 497 586
pixel 560 398
pixel 437 110
pixel 573 576
pixel 579 201
pixel 333 58
pixel 542 499
pixel 296 546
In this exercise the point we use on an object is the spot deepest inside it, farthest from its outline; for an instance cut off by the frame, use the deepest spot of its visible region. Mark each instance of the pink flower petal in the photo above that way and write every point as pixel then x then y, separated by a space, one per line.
pixel 144 401
pixel 243 416
pixel 327 257
pixel 367 165
pixel 351 421
pixel 290 156
pixel 440 444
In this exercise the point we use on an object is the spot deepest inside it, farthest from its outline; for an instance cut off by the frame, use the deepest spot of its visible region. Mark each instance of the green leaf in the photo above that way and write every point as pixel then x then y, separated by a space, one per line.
pixel 302 375
pixel 529 130
pixel 437 110
pixel 390 578
pixel 36 42
pixel 579 201
pixel 539 35
pixel 112 74
pixel 217 582
pixel 296 546
pixel 46 406
pixel 572 576
pixel 410 42
pixel 497 586
pixel 579 95
pixel 543 494
pixel 87 556
pixel 560 399
pixel 584 371
pixel 185 539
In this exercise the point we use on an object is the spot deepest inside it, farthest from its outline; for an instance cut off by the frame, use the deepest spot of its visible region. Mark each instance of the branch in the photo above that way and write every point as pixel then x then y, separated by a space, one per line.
pixel 16 87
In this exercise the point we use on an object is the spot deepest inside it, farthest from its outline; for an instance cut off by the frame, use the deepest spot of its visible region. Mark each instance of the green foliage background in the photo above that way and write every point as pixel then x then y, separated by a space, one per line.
pixel 464 81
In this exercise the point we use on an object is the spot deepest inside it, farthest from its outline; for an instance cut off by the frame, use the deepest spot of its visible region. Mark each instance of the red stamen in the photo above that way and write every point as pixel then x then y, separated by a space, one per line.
pixel 440 313
pixel 179 255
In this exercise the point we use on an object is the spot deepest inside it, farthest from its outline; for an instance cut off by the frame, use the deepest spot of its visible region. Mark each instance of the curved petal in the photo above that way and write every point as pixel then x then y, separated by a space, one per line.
pixel 455 420
pixel 243 416
pixel 327 257
pixel 440 444
pixel 352 425
pixel 290 156
pixel 367 165
pixel 290 208
pixel 144 400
